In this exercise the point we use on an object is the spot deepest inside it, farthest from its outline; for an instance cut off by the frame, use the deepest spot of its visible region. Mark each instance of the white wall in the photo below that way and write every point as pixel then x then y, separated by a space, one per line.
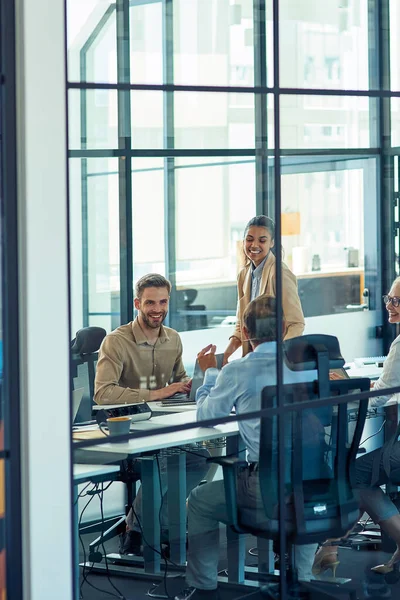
pixel 44 361
pixel 354 330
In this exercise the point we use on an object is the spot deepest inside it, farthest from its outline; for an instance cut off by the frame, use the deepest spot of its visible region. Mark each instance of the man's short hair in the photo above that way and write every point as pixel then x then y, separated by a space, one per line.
pixel 260 319
pixel 151 280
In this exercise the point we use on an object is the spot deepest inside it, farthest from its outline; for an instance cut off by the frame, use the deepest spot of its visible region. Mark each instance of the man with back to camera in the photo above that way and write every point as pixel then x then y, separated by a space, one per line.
pixel 142 362
pixel 239 384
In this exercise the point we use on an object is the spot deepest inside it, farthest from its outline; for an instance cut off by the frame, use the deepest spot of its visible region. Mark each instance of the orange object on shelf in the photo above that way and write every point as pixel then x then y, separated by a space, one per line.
pixel 290 223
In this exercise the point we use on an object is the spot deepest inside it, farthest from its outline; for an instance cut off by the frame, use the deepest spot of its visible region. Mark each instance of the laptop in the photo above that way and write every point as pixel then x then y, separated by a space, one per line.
pixel 77 396
pixel 197 381
pixel 341 373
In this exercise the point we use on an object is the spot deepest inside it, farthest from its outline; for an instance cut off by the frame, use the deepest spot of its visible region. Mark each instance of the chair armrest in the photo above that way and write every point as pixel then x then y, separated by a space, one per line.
pixel 229 468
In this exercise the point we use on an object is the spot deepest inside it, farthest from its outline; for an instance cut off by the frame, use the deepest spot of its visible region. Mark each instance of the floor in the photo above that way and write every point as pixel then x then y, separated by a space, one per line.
pixel 354 564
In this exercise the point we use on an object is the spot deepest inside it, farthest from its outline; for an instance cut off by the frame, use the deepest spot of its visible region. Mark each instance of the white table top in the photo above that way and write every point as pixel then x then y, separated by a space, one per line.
pixel 371 371
pixel 167 440
pixel 84 473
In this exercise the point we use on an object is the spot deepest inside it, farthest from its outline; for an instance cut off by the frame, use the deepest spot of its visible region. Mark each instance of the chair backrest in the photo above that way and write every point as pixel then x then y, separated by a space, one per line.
pixel 317 475
pixel 84 355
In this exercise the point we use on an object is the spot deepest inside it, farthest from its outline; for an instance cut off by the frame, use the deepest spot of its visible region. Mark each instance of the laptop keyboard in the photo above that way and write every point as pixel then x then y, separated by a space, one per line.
pixel 177 400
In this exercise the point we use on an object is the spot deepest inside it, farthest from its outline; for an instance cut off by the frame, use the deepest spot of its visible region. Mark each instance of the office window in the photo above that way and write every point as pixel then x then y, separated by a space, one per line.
pixel 91 40
pixel 332 67
pixel 394 22
pixel 333 122
pixel 165 180
pixel 213 42
pixel 95 237
pixel 148 216
pixel 324 44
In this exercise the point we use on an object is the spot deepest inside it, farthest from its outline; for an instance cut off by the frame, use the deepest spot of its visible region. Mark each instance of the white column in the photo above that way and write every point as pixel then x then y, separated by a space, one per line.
pixel 43 269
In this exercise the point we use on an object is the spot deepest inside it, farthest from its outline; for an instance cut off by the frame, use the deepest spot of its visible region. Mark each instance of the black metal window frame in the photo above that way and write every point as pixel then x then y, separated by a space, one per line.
pixel 379 94
pixel 268 174
pixel 10 392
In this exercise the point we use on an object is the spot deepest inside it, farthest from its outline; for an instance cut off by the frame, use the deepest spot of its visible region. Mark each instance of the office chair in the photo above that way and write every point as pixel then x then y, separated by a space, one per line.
pixel 321 502
pixel 185 299
pixel 84 355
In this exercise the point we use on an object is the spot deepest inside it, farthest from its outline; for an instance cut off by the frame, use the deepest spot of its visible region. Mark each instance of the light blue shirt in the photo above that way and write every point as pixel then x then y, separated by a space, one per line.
pixel 256 279
pixel 239 384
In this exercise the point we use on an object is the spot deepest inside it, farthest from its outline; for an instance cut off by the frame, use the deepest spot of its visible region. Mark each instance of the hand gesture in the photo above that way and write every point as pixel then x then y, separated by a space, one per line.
pixel 206 357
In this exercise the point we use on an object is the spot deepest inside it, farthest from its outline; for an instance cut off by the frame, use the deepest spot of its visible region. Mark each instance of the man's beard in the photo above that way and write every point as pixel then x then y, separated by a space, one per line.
pixel 150 323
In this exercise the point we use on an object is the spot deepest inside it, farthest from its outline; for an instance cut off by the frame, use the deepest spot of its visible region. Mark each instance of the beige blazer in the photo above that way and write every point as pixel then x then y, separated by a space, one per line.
pixel 291 305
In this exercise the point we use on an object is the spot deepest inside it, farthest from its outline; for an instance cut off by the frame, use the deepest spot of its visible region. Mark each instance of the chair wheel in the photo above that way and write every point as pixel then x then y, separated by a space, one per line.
pixel 95 557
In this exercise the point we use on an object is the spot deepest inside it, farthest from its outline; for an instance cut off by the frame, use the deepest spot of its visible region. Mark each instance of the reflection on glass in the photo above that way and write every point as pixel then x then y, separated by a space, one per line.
pixel 94 209
pixel 395 120
pixel 327 122
pixel 92 40
pixel 324 45
pixel 394 11
pixel 147 120
pixel 323 235
pixel 214 120
pixel 146 37
pixel 213 42
pixel 148 227
pixel 214 200
pixel 93 119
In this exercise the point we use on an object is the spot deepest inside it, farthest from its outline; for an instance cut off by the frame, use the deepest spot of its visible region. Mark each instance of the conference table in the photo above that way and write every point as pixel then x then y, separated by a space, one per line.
pixel 172 446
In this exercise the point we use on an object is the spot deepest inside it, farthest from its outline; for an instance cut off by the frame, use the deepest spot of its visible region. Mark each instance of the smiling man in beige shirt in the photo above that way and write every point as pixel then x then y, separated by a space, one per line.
pixel 142 362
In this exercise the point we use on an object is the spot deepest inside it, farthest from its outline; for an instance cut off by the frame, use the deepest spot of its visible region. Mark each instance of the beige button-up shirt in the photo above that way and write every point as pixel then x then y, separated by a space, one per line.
pixel 129 367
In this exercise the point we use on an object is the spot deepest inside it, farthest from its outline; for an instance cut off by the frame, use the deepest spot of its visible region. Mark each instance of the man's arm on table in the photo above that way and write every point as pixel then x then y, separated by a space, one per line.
pixel 108 374
pixel 216 397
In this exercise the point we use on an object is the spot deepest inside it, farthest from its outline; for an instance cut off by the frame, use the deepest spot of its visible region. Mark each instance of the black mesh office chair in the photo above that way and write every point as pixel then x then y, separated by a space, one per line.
pixel 320 500
pixel 84 355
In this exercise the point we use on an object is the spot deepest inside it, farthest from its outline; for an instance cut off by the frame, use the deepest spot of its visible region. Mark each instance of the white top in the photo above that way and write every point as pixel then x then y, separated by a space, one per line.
pixel 390 375
pixel 166 440
pixel 84 473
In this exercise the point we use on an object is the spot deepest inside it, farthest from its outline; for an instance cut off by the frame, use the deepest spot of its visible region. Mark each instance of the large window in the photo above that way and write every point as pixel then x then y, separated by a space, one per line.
pixel 189 117
pixel 201 159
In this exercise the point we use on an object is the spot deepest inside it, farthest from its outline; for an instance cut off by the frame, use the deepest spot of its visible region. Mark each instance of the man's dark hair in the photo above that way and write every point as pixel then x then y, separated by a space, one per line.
pixel 260 319
pixel 151 280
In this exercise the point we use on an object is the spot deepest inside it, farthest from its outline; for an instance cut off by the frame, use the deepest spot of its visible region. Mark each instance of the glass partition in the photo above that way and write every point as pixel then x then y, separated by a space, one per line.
pixel 168 165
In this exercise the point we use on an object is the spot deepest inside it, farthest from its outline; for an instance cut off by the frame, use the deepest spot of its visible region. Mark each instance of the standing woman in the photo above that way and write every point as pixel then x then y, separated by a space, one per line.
pixel 258 277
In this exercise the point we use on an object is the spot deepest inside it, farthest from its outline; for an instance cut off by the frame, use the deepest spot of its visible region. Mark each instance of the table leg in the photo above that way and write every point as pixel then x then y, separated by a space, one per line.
pixel 236 550
pixel 236 542
pixel 176 469
pixel 266 563
pixel 151 502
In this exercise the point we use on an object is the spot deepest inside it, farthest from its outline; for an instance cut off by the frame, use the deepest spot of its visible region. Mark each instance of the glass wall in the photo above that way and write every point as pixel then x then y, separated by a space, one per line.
pixel 200 152
pixel 187 118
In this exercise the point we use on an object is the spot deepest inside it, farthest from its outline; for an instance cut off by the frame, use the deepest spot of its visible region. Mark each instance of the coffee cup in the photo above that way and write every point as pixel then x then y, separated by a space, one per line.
pixel 117 426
